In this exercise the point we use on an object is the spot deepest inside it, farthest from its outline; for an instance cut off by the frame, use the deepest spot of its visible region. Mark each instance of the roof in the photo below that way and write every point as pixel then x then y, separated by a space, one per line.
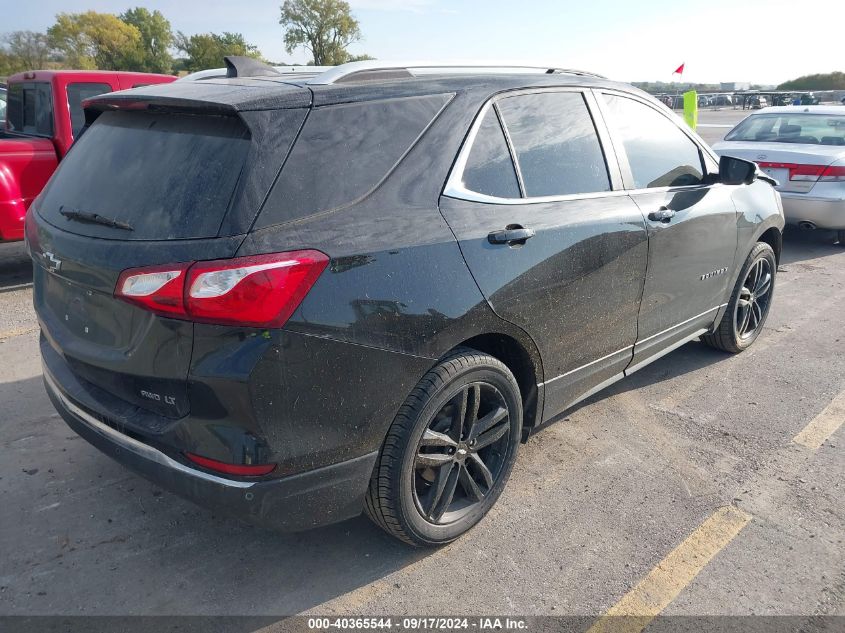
pixel 284 91
pixel 803 109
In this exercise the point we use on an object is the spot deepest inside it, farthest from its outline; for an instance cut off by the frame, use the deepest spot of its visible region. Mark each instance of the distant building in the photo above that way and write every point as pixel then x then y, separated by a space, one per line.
pixel 730 86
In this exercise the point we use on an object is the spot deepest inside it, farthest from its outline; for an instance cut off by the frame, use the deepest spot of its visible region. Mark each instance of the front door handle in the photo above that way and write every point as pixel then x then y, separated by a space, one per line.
pixel 663 214
pixel 512 235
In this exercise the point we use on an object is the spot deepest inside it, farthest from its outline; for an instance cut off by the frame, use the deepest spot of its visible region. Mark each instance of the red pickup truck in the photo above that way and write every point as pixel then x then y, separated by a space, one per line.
pixel 43 115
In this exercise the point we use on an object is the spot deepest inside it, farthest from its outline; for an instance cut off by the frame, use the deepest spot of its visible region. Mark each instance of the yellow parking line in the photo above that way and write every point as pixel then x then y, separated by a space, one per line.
pixel 17 332
pixel 823 425
pixel 671 575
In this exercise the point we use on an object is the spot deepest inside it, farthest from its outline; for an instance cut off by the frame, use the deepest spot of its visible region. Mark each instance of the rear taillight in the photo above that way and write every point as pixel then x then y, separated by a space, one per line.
pixel 256 291
pixel 156 288
pixel 805 173
pixel 809 173
pixel 834 173
pixel 244 470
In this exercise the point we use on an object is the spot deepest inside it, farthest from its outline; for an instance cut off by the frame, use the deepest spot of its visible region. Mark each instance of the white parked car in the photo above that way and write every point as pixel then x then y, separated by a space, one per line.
pixel 803 148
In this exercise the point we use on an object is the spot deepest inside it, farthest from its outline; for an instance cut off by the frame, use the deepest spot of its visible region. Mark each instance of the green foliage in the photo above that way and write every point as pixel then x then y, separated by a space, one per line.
pixel 324 27
pixel 153 54
pixel 207 50
pixel 94 40
pixel 822 81
pixel 23 50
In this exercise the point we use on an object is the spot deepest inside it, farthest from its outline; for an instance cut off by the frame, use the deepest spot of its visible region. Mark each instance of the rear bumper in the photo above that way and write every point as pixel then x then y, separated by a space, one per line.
pixel 298 502
pixel 825 213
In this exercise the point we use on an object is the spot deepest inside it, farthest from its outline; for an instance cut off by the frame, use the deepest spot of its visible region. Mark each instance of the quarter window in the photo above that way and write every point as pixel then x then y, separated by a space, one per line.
pixel 489 169
pixel 556 144
pixel 659 153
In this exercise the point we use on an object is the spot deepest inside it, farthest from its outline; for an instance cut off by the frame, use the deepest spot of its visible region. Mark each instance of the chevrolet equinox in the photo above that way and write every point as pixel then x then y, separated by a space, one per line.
pixel 295 298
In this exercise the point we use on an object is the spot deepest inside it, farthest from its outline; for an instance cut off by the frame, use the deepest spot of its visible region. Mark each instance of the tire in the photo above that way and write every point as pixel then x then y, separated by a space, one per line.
pixel 729 335
pixel 840 237
pixel 427 451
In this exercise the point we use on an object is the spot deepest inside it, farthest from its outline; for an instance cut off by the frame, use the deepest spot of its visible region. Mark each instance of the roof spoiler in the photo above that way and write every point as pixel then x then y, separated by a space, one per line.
pixel 240 66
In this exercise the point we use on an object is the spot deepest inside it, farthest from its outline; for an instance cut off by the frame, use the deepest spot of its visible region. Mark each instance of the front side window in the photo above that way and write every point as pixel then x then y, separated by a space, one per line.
pixel 555 143
pixel 659 153
pixel 76 94
pixel 30 109
pixel 489 169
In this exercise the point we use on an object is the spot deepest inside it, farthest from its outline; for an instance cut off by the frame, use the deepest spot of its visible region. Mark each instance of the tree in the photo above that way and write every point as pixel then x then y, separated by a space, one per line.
pixel 827 81
pixel 26 50
pixel 206 50
pixel 153 54
pixel 324 27
pixel 95 40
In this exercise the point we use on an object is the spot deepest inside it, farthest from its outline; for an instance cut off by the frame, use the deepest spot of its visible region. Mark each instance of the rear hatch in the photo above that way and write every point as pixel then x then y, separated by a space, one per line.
pixel 153 180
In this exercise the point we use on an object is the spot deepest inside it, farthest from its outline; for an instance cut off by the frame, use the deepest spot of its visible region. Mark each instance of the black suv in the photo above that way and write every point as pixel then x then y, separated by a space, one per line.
pixel 294 299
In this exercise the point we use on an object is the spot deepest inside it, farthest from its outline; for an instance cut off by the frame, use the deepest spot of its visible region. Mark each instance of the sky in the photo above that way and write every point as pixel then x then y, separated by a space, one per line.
pixel 760 41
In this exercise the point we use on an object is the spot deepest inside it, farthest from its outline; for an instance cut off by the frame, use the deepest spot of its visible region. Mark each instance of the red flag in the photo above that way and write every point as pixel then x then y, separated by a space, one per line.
pixel 680 69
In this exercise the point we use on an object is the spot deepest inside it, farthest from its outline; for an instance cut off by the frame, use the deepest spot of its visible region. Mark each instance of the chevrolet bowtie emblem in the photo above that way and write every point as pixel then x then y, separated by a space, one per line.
pixel 53 263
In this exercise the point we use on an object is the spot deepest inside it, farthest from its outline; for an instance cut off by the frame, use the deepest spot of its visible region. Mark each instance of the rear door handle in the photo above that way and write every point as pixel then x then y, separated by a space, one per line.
pixel 513 234
pixel 663 214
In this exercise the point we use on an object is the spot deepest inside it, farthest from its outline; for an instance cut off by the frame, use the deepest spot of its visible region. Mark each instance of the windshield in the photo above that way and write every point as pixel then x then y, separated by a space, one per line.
pixel 2 104
pixel 788 127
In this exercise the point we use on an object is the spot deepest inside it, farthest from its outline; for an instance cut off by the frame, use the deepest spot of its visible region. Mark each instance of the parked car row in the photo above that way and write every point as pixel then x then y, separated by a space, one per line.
pixel 258 292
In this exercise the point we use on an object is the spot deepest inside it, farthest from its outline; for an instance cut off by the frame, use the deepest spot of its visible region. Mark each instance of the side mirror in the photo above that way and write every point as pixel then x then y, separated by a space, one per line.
pixel 736 171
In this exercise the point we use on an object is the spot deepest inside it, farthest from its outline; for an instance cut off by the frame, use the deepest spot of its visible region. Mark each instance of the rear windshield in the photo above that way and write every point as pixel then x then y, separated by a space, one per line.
pixel 810 129
pixel 168 176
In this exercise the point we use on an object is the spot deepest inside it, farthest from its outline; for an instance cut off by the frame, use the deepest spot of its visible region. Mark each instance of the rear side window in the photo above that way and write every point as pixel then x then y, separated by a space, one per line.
pixel 489 169
pixel 169 176
pixel 659 153
pixel 344 152
pixel 76 94
pixel 556 144
pixel 30 109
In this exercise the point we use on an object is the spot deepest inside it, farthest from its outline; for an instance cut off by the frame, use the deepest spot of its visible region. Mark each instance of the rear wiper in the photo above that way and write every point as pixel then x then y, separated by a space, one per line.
pixel 94 218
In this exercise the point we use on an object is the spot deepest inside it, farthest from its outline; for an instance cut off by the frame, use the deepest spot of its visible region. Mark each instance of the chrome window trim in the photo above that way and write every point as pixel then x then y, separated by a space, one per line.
pixel 454 184
pixel 134 446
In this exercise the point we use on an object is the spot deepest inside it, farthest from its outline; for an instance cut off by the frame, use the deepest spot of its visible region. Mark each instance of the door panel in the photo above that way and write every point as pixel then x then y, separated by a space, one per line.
pixel 690 255
pixel 692 225
pixel 574 287
pixel 573 279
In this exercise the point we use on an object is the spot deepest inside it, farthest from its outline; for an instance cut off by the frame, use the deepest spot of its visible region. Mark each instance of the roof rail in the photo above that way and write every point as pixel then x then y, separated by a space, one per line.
pixel 373 70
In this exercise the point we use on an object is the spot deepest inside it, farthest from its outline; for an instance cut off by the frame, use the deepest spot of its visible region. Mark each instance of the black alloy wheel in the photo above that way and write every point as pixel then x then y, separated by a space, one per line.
pixel 461 454
pixel 449 452
pixel 754 297
pixel 749 305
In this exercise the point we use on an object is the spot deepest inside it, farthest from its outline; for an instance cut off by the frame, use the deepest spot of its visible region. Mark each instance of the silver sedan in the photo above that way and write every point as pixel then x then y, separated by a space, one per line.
pixel 803 148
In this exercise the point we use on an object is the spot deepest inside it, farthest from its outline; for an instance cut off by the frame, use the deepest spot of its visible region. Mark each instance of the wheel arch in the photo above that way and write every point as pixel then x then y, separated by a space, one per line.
pixel 523 360
pixel 774 238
